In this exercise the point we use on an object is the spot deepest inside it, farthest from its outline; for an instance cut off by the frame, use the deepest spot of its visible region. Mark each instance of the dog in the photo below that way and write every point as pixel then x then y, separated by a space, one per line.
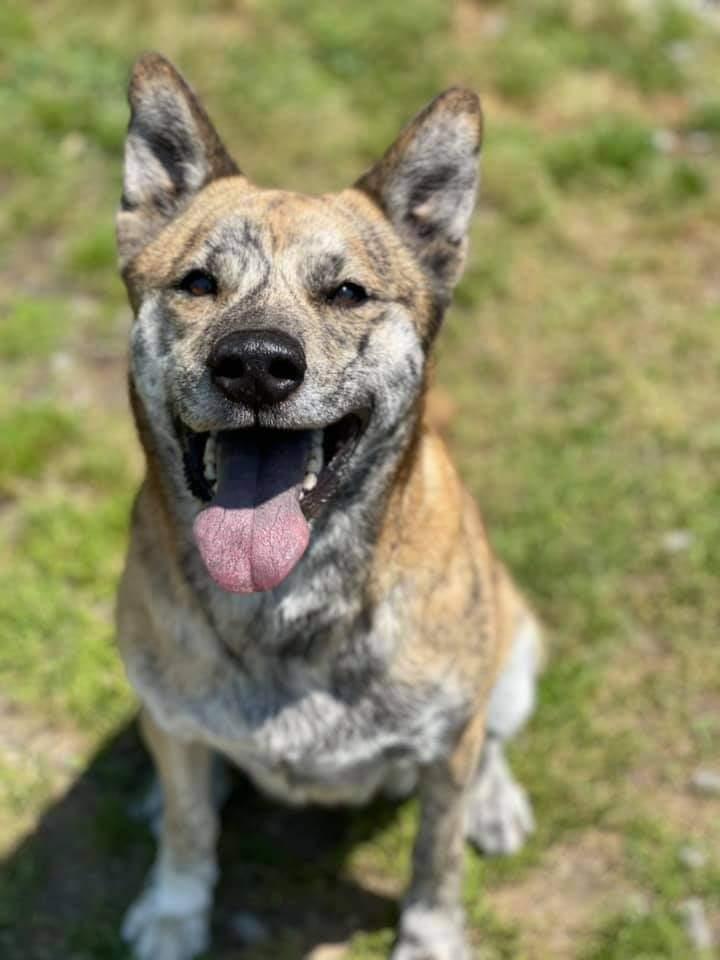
pixel 309 590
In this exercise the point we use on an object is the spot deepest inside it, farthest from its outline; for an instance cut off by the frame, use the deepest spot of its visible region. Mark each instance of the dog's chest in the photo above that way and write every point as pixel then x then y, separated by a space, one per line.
pixel 314 745
pixel 332 730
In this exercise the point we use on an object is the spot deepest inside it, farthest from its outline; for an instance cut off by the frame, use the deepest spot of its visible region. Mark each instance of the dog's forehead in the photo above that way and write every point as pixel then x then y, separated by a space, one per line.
pixel 238 230
pixel 234 215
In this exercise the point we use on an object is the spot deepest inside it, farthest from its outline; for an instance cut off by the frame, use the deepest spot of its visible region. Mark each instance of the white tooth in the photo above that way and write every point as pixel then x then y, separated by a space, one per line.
pixel 315 457
pixel 209 458
pixel 310 481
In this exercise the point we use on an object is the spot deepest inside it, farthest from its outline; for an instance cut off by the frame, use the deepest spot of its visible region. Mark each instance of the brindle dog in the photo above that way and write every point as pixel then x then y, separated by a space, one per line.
pixel 309 589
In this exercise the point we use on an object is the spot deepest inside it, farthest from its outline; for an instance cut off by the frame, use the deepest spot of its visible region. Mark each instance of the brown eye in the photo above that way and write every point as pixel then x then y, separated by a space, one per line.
pixel 199 283
pixel 348 295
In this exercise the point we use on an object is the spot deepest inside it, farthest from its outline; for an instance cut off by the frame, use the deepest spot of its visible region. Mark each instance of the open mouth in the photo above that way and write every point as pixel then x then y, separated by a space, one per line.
pixel 261 487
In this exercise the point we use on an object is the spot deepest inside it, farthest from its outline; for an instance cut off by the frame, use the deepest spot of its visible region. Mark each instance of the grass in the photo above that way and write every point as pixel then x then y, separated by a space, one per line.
pixel 582 358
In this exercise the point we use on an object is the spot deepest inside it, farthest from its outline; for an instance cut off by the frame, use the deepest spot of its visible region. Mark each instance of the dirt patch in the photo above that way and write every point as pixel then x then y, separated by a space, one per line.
pixel 39 759
pixel 690 815
pixel 22 732
pixel 558 902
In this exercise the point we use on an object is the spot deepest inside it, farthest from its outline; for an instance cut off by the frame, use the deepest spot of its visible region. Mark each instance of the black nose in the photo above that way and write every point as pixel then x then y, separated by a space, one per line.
pixel 257 367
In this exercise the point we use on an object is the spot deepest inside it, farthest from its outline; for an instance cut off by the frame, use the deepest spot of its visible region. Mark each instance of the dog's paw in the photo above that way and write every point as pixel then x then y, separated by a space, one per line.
pixel 499 817
pixel 430 935
pixel 157 937
pixel 159 929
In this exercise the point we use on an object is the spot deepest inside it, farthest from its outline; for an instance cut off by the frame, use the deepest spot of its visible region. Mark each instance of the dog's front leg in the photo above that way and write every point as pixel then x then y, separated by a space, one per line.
pixel 170 920
pixel 432 923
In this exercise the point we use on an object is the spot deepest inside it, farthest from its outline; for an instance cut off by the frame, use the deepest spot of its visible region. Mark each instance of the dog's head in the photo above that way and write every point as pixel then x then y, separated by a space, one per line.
pixel 281 339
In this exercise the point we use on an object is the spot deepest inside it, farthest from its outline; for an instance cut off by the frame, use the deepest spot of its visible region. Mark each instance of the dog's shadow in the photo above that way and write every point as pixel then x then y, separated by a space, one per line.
pixel 64 889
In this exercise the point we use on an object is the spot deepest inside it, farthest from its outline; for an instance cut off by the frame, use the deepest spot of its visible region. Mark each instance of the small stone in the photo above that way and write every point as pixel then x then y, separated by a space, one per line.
pixel 61 362
pixel 664 141
pixel 675 541
pixel 639 905
pixel 697 925
pixel 73 145
pixel 248 928
pixel 495 24
pixel 681 52
pixel 692 858
pixel 706 781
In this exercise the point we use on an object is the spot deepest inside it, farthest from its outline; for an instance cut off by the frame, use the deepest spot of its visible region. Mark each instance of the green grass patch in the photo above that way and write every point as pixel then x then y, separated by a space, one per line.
pixel 32 327
pixel 524 68
pixel 95 250
pixel 515 180
pixel 705 117
pixel 371 946
pixel 612 152
pixel 30 437
pixel 644 51
pixel 658 934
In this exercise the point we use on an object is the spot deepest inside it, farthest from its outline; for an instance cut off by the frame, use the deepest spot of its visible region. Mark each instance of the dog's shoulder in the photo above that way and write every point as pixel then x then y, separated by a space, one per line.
pixel 435 563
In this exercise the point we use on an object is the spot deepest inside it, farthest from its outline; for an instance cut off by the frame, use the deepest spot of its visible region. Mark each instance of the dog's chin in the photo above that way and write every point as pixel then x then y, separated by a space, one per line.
pixel 327 465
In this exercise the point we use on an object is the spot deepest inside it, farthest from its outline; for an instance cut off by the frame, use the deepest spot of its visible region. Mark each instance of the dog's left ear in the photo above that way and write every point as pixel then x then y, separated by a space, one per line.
pixel 427 181
pixel 172 151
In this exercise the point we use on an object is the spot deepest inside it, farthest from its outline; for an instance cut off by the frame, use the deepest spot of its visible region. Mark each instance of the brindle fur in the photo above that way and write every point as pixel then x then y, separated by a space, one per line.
pixel 373 665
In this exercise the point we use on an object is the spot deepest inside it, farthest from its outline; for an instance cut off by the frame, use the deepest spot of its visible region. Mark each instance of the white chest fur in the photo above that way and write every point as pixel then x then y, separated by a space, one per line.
pixel 297 733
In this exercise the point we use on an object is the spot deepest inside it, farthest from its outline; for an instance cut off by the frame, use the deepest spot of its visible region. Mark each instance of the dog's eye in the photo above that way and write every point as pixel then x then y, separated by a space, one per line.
pixel 199 283
pixel 348 295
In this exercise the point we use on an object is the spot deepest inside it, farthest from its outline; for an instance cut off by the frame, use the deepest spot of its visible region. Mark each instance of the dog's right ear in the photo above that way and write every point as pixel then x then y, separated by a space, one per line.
pixel 172 150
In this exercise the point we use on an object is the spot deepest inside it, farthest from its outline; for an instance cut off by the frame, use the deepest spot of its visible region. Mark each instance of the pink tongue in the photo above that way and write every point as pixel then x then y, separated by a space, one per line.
pixel 254 532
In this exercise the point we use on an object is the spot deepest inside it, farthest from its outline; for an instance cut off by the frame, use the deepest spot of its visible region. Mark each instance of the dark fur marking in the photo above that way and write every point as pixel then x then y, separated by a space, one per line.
pixel 441 260
pixel 126 204
pixel 474 596
pixel 238 240
pixel 326 270
pixel 434 324
pixel 431 182
pixel 373 242
pixel 170 149
pixel 422 228
pixel 169 322
pixel 138 349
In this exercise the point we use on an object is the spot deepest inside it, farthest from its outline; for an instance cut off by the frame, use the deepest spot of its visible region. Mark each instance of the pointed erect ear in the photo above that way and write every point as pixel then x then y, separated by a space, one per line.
pixel 426 184
pixel 171 152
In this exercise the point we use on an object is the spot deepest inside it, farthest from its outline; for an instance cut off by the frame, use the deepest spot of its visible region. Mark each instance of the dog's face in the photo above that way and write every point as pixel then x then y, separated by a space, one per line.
pixel 280 338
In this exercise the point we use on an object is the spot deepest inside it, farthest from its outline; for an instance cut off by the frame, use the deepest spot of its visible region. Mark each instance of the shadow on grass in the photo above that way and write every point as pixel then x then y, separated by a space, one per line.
pixel 64 889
